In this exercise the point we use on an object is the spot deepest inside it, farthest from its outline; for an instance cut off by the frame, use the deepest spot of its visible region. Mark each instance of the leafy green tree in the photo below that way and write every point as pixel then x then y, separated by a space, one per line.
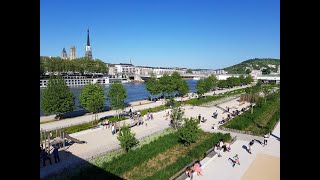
pixel 57 97
pixel 92 98
pixel 201 87
pixel 153 85
pixel 248 79
pixel 241 79
pixel 208 84
pixel 214 80
pixel 248 71
pixel 127 138
pixel 189 132
pixel 117 94
pixel 266 71
pixel 189 71
pixel 167 84
pixel 183 87
pixel 176 117
pixel 222 84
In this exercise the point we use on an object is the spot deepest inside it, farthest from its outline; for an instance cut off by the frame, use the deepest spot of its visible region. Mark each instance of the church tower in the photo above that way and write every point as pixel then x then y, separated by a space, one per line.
pixel 88 48
pixel 72 53
pixel 64 54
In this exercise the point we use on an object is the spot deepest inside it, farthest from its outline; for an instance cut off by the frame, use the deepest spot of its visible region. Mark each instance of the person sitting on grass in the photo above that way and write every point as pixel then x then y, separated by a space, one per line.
pixel 197 168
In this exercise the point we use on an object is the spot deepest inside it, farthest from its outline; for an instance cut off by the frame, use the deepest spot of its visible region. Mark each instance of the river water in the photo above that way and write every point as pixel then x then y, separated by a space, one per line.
pixel 135 92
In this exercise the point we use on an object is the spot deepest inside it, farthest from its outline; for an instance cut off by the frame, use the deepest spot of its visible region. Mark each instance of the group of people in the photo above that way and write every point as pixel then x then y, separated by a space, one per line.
pixel 195 168
pixel 225 146
pixel 45 156
pixel 149 116
pixel 104 124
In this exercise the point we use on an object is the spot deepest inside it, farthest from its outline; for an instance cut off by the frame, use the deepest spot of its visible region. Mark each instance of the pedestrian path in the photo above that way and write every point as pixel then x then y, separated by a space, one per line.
pixel 221 168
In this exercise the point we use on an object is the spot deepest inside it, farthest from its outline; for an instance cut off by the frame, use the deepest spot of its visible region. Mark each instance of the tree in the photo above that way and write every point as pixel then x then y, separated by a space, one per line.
pixel 183 87
pixel 117 94
pixel 127 138
pixel 57 97
pixel 222 83
pixel 248 71
pixel 189 71
pixel 201 87
pixel 241 79
pixel 167 84
pixel 214 80
pixel 176 117
pixel 153 85
pixel 208 84
pixel 92 98
pixel 266 71
pixel 248 79
pixel 189 132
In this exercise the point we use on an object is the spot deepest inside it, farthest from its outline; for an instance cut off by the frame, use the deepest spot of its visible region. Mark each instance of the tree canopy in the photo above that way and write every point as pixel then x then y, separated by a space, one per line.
pixel 92 98
pixel 117 94
pixel 153 85
pixel 127 138
pixel 57 97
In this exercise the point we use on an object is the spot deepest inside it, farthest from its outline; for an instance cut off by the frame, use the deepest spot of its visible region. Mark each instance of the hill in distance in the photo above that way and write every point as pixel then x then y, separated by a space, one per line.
pixel 254 64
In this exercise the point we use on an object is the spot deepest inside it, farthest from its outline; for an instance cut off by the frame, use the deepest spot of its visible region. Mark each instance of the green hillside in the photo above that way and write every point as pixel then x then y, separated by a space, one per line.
pixel 254 64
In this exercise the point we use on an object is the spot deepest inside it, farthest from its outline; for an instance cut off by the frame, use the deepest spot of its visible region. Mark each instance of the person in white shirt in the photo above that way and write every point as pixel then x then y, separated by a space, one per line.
pixel 217 149
pixel 266 137
pixel 112 129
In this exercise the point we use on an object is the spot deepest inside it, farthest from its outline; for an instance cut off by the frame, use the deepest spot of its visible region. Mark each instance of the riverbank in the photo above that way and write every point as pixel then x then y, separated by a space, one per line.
pixel 88 118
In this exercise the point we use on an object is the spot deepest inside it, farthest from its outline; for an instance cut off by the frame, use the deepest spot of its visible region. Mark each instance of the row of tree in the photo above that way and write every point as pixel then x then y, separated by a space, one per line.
pixel 206 85
pixel 58 99
pixel 167 85
pixel 81 65
pixel 234 81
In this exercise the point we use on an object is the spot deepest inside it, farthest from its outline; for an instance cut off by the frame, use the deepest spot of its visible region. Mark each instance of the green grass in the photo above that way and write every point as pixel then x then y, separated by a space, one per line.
pixel 123 163
pixel 262 120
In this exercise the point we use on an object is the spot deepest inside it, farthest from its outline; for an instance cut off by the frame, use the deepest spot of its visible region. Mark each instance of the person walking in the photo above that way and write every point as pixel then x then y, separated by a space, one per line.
pixel 45 157
pixel 56 154
pixel 199 118
pixel 250 144
pixel 217 149
pixel 265 139
pixel 112 129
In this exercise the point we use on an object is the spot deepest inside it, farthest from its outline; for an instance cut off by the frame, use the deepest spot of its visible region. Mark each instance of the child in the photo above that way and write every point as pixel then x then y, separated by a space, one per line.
pixel 189 173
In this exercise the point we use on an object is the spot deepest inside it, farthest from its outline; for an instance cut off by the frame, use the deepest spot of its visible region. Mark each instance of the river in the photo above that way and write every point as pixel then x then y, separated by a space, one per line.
pixel 135 92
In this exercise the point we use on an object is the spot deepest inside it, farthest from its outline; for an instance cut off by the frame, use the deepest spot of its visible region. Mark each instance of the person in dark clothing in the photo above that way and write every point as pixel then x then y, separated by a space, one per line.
pixel 56 154
pixel 199 117
pixel 45 157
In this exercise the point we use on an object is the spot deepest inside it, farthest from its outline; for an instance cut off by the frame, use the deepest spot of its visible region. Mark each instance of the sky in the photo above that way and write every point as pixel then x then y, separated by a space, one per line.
pixel 207 34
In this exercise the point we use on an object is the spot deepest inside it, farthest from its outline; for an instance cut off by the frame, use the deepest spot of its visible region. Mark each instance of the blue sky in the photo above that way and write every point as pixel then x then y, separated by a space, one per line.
pixel 184 33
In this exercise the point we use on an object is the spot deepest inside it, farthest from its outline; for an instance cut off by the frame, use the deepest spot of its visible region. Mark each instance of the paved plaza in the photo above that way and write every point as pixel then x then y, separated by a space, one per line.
pixel 221 168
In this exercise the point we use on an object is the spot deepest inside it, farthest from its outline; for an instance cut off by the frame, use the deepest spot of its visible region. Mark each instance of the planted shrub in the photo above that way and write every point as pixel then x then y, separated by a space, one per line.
pixel 127 138
pixel 189 132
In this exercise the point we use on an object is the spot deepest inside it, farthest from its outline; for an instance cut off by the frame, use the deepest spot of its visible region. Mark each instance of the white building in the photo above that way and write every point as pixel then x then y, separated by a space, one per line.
pixel 255 74
pixel 220 71
pixel 122 68
pixel 225 76
pixel 143 70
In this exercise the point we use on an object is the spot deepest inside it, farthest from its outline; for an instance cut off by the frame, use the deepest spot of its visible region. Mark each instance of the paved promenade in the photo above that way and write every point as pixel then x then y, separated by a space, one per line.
pixel 100 141
pixel 88 118
pixel 220 168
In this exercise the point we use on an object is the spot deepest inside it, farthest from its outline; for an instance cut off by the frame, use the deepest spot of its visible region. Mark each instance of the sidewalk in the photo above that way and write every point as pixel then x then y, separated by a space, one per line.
pixel 221 168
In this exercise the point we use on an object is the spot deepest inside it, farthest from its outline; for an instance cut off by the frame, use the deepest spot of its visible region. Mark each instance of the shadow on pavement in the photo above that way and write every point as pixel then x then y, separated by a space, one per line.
pixel 73 167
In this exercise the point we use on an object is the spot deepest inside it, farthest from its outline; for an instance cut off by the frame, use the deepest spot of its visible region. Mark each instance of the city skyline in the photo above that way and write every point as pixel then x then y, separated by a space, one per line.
pixel 191 34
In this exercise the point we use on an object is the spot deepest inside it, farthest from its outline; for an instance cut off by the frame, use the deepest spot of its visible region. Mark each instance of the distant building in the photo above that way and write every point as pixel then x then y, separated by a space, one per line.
pixel 64 54
pixel 219 71
pixel 88 48
pixel 126 69
pixel 255 74
pixel 72 53
pixel 143 70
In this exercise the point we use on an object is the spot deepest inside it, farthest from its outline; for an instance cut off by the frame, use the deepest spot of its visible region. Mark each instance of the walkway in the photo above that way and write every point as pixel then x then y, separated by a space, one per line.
pixel 220 167
pixel 88 118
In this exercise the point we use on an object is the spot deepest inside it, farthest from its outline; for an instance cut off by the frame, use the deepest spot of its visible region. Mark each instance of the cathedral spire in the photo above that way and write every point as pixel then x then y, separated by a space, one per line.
pixel 88 40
